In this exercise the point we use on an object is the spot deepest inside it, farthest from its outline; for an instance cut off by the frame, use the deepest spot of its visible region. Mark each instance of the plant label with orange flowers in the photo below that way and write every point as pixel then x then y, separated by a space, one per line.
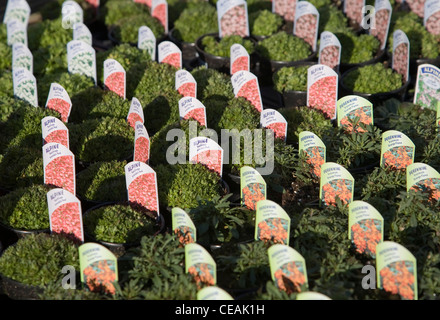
pixel 353 10
pixel 240 59
pixel 246 85
pixel 169 53
pixel 365 227
pixel 159 10
pixel 65 214
pixel 310 295
pixel 431 16
pixel 17 10
pixel 135 113
pixel 141 143
pixel 22 57
pixel 54 130
pixel 306 23
pixel 25 86
pixel 253 187
pixel 272 223
pixel 427 87
pixel 200 264
pixel 382 19
pixel 141 182
pixel 114 77
pixel 81 32
pixel 273 120
pixel 207 152
pixel 58 100
pixel 287 268
pixel 397 151
pixel 354 111
pixel 99 268
pixel 285 8
pixel 81 59
pixel 336 181
pixel 396 270
pixel 322 89
pixel 147 41
pixel 424 178
pixel 71 13
pixel 401 49
pixel 329 50
pixel 232 16
pixel 192 108
pixel 16 33
pixel 59 167
pixel 213 293
pixel 185 83
pixel 314 151
pixel 183 226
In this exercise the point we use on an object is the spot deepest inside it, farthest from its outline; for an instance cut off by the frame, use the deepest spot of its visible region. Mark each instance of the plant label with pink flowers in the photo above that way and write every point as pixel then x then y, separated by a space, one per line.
pixel 335 182
pixel 146 2
pixel 396 270
pixel 59 167
pixel 397 150
pixel 285 8
pixel 58 100
pixel 200 264
pixel 81 59
pixel 365 227
pixel 431 18
pixel 401 49
pixel 306 23
pixel 427 87
pixel 213 293
pixel 147 41
pixel 65 214
pixel 232 18
pixel 169 53
pixel 354 113
pixel 273 120
pixel 287 268
pixel 81 32
pixel 185 83
pixel 159 10
pixel 206 152
pixel 141 182
pixel 54 130
pixel 183 226
pixel 114 77
pixel 353 10
pixel 16 32
pixel 141 143
pixel 22 57
pixel 424 178
pixel 246 85
pixel 252 186
pixel 135 113
pixel 192 108
pixel 17 10
pixel 25 86
pixel 272 223
pixel 382 19
pixel 314 150
pixel 329 50
pixel 240 59
pixel 322 89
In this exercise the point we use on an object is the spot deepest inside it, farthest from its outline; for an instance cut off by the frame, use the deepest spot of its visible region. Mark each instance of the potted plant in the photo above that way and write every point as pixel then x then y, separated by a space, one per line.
pixel 264 23
pixel 48 33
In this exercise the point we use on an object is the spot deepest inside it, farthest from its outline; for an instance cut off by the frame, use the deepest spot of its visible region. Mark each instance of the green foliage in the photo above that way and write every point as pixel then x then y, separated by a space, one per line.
pixel 332 19
pixel 282 46
pixel 291 79
pixel 54 291
pixel 239 114
pixel 357 48
pixel 384 183
pixel 5 56
pixel 126 29
pixel 114 10
pixel 264 23
pixel 48 33
pixel 222 47
pixel 49 60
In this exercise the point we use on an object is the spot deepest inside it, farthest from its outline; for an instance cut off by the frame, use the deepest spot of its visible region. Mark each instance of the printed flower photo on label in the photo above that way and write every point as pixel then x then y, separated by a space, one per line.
pixel 323 96
pixel 61 106
pixel 398 278
pixel 203 274
pixel 274 230
pixel 58 136
pixel 365 235
pixel 398 158
pixel 253 193
pixel 430 186
pixel 315 156
pixel 341 188
pixel 365 116
pixel 234 22
pixel 290 277
pixel 66 220
pixel 100 276
pixel 185 235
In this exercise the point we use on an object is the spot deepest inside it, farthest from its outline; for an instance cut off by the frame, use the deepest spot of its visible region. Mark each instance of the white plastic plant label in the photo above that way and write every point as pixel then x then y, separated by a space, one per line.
pixel 246 85
pixel 311 295
pixel 314 150
pixel 159 10
pixel 59 100
pixel 353 10
pixel 431 18
pixel 25 86
pixel 17 10
pixel 253 188
pixel 65 214
pixel 353 112
pixel 16 32
pixel 183 227
pixel 114 77
pixel 232 18
pixel 329 50
pixel 71 13
pixel 192 108
pixel 207 152
pixel 213 293
pixel 82 32
pixel 200 264
pixel 22 57
pixel 397 150
pixel 272 223
pixel 382 19
pixel 401 50
pixel 59 167
pixel 81 59
pixel 141 143
pixel 322 89
pixel 285 8
pixel 423 178
pixel 185 83
pixel 427 87
pixel 335 182
pixel 169 53
pixel 306 23
pixel 273 120
pixel 147 41
pixel 240 59
pixel 54 130
pixel 141 182
pixel 135 113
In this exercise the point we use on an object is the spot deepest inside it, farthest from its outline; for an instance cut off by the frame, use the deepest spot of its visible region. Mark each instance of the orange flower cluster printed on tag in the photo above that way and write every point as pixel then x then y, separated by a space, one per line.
pixel 430 186
pixel 398 278
pixel 273 229
pixel 315 157
pixel 253 193
pixel 100 276
pixel 203 274
pixel 364 115
pixel 185 235
pixel 290 277
pixel 339 187
pixel 365 235
pixel 398 158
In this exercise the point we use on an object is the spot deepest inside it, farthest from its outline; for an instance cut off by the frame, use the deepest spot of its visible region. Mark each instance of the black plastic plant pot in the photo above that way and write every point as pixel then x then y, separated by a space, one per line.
pixel 19 291
pixel 20 233
pixel 188 49
pixel 379 57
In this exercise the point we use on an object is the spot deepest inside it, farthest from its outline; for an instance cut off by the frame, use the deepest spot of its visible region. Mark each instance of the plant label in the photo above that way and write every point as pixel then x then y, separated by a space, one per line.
pixel 170 53
pixel 183 226
pixel 141 143
pixel 253 187
pixel 310 295
pixel 25 86
pixel 273 120
pixel 65 214
pixel 272 223
pixel 397 150
pixel 185 83
pixel 17 10
pixel 58 100
pixel 135 113
pixel 192 108
pixel 336 181
pixel 207 152
pixel 438 114
pixel 159 10
pixel 16 32
pixel 81 59
pixel 114 77
pixel 240 59
pixel 287 268
pixel 431 16
pixel 22 57
pixel 353 10
pixel 146 2
pixel 54 130
pixel 354 112
pixel 99 268
pixel 71 13
pixel 147 41
pixel 285 8
pixel 424 178
pixel 94 3
pixel 213 293
pixel 59 167
pixel 82 33
pixel 401 49
pixel 141 182
pixel 329 50
pixel 232 18
pixel 200 264
pixel 365 227
pixel 314 151
pixel 246 85
pixel 396 270
pixel 427 88
pixel 382 20
pixel 322 89
pixel 306 23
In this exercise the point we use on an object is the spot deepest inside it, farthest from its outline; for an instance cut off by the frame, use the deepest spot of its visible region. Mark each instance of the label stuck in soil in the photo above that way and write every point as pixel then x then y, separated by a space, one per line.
pixel 59 100
pixel 314 150
pixel 240 59
pixel 352 111
pixel 200 264
pixel 329 50
pixel 285 8
pixel 81 32
pixel 423 178
pixel 25 86
pixel 427 87
pixel 192 108
pixel 135 113
pixel 22 57
pixel 207 152
pixel 246 85
pixel 159 10
pixel 81 59
pixel 401 50
pixel 16 32
pixel 335 182
pixel 147 41
pixel 141 143
pixel 306 23
pixel 273 120
pixel 59 167
pixel 322 89
pixel 397 151
pixel 185 83
pixel 54 130
pixel 183 226
pixel 382 20
pixel 169 53
pixel 232 18
pixel 253 187
pixel 272 223
pixel 114 77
